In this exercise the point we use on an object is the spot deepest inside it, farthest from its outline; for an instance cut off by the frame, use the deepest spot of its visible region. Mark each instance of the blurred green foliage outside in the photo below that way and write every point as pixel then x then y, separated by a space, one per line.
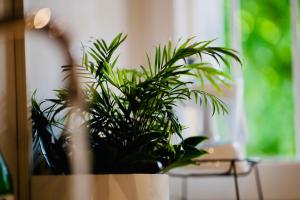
pixel 267 57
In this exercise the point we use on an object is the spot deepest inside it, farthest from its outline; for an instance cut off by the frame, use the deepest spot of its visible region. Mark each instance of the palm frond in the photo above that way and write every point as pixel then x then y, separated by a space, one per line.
pixel 130 112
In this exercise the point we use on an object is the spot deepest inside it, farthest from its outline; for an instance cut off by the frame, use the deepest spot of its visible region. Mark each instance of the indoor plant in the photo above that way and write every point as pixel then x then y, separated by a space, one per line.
pixel 130 114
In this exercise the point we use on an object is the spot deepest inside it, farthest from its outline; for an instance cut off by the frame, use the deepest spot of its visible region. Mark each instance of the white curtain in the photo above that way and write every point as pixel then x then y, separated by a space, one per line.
pixel 205 19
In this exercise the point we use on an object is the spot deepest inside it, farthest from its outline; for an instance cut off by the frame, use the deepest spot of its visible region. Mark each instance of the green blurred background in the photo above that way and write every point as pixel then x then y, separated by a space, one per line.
pixel 267 57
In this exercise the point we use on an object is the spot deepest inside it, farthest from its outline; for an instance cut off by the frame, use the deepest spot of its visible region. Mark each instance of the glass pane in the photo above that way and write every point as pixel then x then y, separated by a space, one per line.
pixel 266 40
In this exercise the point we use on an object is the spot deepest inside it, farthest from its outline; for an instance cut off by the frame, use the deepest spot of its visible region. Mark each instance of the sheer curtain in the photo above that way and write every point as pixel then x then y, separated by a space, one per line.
pixel 206 20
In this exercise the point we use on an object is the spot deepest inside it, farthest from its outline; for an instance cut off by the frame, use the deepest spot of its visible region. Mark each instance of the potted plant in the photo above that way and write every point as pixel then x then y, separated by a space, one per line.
pixel 130 114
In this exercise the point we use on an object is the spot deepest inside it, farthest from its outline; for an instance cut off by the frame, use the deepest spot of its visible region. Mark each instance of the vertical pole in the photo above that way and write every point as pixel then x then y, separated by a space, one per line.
pixel 236 184
pixel 23 136
pixel 296 70
pixel 23 126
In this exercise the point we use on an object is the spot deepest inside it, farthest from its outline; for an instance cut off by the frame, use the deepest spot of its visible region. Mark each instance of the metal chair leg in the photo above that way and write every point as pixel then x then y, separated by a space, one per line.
pixel 236 184
pixel 258 183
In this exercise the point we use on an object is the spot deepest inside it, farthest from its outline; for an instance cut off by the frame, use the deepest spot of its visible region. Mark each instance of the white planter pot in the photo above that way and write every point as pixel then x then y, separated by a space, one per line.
pixel 102 187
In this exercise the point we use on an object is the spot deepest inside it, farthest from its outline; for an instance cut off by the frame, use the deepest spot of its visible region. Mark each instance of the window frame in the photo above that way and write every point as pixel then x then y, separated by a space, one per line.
pixel 296 70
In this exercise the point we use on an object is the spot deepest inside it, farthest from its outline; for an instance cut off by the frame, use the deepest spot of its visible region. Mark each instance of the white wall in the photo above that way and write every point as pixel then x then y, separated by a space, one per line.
pixel 146 23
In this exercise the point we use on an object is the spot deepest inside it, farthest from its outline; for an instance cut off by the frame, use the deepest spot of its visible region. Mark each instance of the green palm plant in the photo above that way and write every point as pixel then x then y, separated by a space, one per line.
pixel 130 114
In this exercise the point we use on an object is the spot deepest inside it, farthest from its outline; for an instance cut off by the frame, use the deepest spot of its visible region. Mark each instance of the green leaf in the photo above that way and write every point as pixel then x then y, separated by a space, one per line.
pixel 193 141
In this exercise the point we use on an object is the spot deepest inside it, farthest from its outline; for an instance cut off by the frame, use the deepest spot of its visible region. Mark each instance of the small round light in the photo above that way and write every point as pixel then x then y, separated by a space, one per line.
pixel 42 18
pixel 211 150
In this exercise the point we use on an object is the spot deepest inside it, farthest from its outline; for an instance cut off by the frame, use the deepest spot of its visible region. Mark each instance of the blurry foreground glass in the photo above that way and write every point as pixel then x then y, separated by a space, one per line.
pixel 41 22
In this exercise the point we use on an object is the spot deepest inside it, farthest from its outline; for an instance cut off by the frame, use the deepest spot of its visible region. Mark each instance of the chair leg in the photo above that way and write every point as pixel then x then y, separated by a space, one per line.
pixel 236 184
pixel 258 183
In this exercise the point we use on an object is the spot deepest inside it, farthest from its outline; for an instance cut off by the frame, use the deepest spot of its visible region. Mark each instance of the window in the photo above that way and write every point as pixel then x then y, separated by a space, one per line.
pixel 268 96
pixel 262 32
